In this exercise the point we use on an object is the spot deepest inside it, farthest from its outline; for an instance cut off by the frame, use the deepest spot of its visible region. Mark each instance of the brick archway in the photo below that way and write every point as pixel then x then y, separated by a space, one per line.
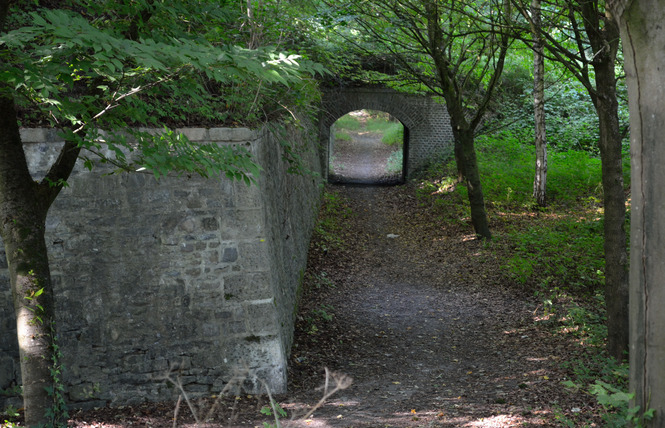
pixel 426 122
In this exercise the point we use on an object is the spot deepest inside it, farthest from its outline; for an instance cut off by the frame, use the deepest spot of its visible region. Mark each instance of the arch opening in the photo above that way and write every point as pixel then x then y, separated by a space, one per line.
pixel 367 147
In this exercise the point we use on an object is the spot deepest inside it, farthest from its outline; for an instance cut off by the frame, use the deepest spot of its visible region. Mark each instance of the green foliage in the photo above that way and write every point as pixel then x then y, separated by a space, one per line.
pixel 275 410
pixel 395 162
pixel 170 151
pixel 342 136
pixel 558 251
pixel 107 70
pixel 571 119
pixel 588 324
pixel 391 130
pixel 15 390
pixel 11 412
pixel 567 254
pixel 617 404
pixel 328 229
pixel 58 414
pixel 348 122
pixel 324 313
pixel 322 280
pixel 555 252
pixel 394 134
pixel 439 186
pixel 379 122
pixel 36 309
pixel 506 166
pixel 320 315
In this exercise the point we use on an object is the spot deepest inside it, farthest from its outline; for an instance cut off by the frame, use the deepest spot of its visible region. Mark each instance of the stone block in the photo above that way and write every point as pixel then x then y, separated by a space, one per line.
pixel 245 223
pixel 247 287
pixel 210 223
pixel 230 255
pixel 7 372
pixel 262 318
pixel 231 134
pixel 34 135
pixel 246 196
pixel 253 256
pixel 194 134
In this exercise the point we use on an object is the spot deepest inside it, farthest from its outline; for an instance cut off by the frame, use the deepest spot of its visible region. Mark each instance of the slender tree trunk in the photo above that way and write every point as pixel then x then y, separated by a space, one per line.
pixel 463 129
pixel 641 24
pixel 540 179
pixel 604 38
pixel 22 219
pixel 465 145
pixel 614 202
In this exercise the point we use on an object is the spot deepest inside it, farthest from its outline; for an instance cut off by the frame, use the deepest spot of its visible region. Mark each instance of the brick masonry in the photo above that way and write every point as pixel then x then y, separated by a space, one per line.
pixel 428 132
pixel 186 274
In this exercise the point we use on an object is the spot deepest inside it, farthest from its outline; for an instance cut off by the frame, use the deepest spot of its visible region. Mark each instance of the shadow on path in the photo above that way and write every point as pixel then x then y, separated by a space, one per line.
pixel 422 325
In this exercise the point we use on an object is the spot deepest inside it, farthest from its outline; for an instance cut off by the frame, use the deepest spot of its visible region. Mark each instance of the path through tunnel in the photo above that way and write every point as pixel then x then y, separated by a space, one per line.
pixel 367 147
pixel 416 313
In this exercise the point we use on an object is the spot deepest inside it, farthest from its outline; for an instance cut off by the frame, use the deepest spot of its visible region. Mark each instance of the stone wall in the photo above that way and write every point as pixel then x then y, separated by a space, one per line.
pixel 185 274
pixel 426 121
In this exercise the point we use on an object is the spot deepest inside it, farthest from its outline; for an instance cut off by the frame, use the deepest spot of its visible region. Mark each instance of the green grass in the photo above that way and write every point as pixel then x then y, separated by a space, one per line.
pixel 507 169
pixel 394 134
pixel 377 122
pixel 348 122
pixel 564 252
pixel 342 136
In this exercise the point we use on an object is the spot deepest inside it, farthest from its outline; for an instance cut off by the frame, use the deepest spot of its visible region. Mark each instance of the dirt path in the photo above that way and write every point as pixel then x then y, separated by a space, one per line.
pixel 418 325
pixel 363 159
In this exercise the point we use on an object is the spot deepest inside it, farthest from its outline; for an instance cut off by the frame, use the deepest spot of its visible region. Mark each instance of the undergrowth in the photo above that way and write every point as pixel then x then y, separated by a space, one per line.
pixel 555 252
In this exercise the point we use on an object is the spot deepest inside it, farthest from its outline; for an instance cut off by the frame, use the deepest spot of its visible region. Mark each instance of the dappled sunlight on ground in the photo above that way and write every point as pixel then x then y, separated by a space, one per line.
pixel 417 418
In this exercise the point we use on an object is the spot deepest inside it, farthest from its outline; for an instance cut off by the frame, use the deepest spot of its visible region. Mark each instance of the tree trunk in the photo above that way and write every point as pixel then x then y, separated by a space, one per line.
pixel 614 202
pixel 22 219
pixel 540 179
pixel 464 142
pixel 643 38
pixel 463 129
pixel 603 33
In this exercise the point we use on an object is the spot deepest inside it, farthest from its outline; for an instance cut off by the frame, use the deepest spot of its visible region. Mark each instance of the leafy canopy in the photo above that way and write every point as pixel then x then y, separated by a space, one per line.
pixel 113 65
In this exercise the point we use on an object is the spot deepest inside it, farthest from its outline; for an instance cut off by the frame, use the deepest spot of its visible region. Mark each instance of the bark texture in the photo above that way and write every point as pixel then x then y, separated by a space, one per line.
pixel 22 220
pixel 468 165
pixel 603 33
pixel 641 23
pixel 24 204
pixel 614 201
pixel 540 178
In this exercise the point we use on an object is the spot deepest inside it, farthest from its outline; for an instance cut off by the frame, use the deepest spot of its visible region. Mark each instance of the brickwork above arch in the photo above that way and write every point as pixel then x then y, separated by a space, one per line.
pixel 426 120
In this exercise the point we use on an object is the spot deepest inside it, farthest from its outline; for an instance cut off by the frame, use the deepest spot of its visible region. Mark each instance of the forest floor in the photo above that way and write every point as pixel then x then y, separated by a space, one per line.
pixel 419 315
